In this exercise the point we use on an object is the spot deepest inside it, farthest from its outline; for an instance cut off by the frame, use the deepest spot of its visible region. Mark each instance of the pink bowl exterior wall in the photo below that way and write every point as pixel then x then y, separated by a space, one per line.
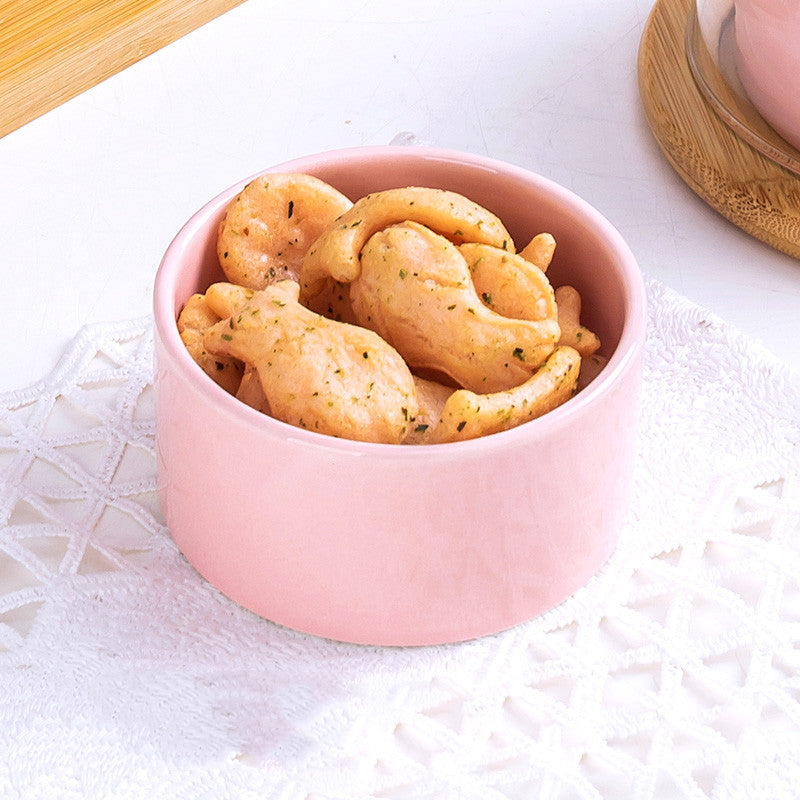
pixel 768 59
pixel 405 545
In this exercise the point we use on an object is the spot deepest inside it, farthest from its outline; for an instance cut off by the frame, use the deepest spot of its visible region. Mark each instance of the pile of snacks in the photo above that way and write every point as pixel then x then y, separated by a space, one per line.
pixel 405 317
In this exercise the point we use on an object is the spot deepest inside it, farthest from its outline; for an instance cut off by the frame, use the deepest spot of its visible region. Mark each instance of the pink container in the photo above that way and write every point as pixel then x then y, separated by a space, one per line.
pixel 768 60
pixel 405 544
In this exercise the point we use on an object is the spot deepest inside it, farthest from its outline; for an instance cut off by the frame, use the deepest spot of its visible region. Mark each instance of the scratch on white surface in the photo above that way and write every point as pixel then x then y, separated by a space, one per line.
pixel 479 122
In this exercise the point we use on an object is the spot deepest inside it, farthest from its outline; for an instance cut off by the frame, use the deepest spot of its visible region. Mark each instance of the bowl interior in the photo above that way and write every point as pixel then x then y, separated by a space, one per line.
pixel 590 254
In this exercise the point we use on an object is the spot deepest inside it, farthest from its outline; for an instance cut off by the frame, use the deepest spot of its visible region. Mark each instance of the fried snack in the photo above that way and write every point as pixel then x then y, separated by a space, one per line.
pixel 431 398
pixel 251 392
pixel 270 225
pixel 333 302
pixel 196 314
pixel 539 251
pixel 316 373
pixel 414 289
pixel 467 415
pixel 572 332
pixel 408 278
pixel 508 283
pixel 226 298
pixel 336 254
pixel 193 321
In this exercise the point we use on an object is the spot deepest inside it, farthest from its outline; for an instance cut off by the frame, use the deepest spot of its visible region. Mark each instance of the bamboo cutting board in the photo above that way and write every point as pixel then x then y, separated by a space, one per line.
pixel 747 188
pixel 51 50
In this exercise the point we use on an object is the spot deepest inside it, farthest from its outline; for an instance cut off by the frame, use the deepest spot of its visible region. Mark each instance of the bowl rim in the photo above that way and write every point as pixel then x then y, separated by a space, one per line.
pixel 625 355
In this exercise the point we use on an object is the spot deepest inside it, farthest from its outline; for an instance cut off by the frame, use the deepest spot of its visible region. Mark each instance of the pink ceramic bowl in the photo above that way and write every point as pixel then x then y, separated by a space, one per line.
pixel 768 60
pixel 405 544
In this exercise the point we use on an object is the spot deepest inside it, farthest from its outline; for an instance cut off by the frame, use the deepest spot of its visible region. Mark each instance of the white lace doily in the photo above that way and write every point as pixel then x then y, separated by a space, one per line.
pixel 674 674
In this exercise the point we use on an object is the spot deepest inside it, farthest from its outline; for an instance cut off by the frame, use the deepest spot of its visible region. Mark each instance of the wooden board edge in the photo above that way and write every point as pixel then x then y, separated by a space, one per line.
pixel 59 77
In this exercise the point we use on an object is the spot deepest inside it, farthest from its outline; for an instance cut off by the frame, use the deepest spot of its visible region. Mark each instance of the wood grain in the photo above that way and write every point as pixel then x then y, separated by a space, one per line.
pixel 747 188
pixel 51 50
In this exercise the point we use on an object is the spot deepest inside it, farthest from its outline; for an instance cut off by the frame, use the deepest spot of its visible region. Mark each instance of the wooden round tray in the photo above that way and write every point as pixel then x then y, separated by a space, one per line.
pixel 752 191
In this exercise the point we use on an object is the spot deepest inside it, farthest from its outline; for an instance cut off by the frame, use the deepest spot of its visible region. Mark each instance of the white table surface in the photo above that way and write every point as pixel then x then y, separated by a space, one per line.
pixel 94 190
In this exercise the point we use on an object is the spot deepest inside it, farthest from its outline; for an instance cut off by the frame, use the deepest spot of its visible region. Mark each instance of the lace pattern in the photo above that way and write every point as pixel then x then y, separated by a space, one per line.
pixel 674 674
